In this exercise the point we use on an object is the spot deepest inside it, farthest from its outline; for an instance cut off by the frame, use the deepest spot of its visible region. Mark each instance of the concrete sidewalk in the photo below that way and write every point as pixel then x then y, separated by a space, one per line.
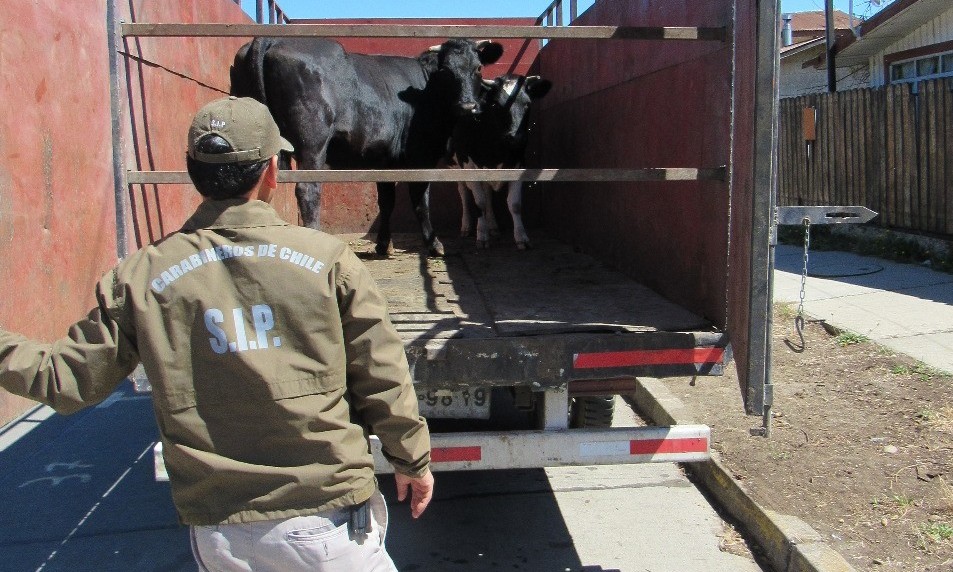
pixel 904 307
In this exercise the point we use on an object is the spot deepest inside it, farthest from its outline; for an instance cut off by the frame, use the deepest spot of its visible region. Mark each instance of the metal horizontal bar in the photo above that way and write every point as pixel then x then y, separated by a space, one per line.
pixel 796 215
pixel 140 29
pixel 454 175
pixel 553 448
pixel 560 448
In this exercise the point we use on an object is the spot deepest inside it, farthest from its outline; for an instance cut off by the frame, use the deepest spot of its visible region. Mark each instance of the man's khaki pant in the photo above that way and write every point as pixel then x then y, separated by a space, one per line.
pixel 320 542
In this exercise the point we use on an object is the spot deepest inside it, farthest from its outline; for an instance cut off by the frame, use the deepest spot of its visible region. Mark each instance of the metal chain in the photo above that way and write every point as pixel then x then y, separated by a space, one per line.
pixel 799 319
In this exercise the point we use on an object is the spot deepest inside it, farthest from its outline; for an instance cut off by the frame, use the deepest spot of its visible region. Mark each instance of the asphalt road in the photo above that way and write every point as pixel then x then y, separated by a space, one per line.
pixel 78 494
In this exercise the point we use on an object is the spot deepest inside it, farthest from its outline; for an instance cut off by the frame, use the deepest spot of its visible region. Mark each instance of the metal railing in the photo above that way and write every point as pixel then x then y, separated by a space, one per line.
pixel 275 14
pixel 704 173
pixel 142 29
pixel 461 175
pixel 553 14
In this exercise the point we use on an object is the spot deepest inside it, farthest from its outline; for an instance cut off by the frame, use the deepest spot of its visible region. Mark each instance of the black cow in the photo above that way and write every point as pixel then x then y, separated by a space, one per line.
pixel 496 138
pixel 352 111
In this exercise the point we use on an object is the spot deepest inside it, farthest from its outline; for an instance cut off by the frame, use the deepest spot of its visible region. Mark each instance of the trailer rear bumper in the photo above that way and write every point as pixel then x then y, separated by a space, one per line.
pixel 536 449
pixel 551 361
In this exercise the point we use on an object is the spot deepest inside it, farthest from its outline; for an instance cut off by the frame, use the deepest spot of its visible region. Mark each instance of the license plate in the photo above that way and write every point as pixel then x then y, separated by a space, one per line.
pixel 460 404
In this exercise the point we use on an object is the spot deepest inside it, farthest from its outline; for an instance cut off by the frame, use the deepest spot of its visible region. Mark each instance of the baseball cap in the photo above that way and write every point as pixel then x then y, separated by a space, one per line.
pixel 245 123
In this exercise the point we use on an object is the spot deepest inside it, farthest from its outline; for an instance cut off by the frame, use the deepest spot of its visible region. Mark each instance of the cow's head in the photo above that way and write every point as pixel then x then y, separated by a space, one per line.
pixel 458 68
pixel 506 101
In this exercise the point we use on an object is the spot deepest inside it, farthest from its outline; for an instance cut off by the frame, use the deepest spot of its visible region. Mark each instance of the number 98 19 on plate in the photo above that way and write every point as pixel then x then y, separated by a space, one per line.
pixel 471 403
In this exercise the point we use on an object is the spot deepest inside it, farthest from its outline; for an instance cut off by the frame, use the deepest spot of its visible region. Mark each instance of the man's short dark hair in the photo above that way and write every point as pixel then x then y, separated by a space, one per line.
pixel 220 181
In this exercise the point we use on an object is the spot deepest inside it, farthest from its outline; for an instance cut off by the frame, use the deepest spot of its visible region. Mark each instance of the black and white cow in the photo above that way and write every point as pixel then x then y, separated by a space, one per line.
pixel 342 110
pixel 496 138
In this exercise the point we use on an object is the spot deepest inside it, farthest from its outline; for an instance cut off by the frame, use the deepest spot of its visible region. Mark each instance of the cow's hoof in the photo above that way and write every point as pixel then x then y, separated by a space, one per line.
pixel 483 244
pixel 383 250
pixel 523 246
pixel 436 249
pixel 466 232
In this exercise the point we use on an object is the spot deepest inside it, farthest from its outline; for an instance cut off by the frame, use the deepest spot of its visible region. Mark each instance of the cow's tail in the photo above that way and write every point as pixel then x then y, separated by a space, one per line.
pixel 248 70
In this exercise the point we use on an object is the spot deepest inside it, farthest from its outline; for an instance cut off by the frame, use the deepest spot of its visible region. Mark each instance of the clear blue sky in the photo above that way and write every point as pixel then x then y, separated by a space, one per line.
pixel 481 8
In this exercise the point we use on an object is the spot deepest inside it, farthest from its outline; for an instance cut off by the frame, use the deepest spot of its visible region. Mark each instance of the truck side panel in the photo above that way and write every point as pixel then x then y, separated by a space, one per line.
pixel 635 104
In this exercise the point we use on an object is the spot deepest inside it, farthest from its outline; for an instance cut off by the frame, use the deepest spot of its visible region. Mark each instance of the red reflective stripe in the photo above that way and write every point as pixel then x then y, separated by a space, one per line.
pixel 450 454
pixel 654 446
pixel 649 357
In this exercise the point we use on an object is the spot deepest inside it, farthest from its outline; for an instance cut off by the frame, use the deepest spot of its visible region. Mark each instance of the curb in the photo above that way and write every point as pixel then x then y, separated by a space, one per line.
pixel 790 544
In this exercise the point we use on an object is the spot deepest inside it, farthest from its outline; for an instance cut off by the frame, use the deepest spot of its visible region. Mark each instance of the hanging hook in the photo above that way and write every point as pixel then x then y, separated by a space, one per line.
pixel 799 319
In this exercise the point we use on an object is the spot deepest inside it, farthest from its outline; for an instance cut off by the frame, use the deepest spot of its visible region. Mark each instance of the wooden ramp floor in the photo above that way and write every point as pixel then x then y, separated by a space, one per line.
pixel 505 292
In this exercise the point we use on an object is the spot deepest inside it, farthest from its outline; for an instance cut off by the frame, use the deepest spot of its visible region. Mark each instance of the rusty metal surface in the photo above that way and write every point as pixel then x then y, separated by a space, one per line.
pixel 57 205
pixel 643 106
pixel 647 104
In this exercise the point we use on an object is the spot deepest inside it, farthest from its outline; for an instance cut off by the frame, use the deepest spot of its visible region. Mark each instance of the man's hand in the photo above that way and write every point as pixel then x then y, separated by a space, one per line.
pixel 421 491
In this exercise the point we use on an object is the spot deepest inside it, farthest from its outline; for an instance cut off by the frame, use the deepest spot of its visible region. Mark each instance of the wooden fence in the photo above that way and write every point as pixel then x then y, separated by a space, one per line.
pixel 887 148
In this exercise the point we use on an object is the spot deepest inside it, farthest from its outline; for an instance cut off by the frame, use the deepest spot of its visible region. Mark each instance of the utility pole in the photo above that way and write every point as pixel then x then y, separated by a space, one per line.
pixel 831 41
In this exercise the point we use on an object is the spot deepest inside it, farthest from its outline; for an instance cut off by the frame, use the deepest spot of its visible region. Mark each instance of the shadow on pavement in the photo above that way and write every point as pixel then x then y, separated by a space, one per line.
pixel 79 494
pixel 482 521
pixel 868 272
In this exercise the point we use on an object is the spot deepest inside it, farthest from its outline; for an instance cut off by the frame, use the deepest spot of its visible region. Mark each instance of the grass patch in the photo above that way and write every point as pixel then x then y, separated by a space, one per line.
pixel 920 370
pixel 786 310
pixel 845 339
pixel 894 507
pixel 886 245
pixel 926 415
pixel 937 531
pixel 903 501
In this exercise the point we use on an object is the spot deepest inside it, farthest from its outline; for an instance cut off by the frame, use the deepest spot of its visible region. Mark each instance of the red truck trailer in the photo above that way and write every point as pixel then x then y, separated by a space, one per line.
pixel 651 185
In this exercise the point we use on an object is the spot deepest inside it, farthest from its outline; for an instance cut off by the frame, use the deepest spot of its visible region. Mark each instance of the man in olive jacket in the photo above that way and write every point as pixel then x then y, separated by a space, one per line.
pixel 271 358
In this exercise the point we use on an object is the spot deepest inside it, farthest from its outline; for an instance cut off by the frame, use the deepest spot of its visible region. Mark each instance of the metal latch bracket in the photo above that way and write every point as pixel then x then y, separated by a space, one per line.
pixel 796 215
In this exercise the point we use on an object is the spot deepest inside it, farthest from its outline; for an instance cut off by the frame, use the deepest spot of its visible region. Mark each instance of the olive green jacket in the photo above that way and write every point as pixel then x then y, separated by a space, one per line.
pixel 271 358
